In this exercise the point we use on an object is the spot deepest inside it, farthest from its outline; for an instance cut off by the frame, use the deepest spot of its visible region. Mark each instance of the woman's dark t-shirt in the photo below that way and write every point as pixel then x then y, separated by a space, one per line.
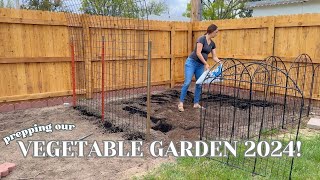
pixel 206 49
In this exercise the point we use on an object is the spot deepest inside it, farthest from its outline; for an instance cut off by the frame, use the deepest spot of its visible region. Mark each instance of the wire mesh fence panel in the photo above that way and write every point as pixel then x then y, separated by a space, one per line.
pixel 250 104
pixel 109 42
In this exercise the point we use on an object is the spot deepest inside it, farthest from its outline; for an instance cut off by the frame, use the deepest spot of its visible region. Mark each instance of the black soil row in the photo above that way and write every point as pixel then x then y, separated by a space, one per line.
pixel 160 124
pixel 238 102
pixel 137 106
pixel 111 128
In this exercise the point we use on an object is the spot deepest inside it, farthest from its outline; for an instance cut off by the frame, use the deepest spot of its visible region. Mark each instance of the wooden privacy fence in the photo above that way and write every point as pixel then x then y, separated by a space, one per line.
pixel 35 52
pixel 35 59
pixel 287 37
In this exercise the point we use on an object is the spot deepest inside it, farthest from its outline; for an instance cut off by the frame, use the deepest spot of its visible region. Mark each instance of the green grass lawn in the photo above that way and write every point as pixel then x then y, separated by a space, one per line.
pixel 305 167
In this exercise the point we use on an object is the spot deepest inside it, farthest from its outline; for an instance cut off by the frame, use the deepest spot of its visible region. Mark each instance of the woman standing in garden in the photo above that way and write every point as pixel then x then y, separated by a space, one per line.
pixel 196 64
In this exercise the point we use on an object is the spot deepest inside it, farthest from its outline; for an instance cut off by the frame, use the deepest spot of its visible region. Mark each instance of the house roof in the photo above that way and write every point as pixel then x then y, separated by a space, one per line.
pixel 251 5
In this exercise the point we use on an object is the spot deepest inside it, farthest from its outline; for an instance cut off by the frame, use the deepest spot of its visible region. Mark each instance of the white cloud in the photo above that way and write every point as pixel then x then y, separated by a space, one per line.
pixel 176 9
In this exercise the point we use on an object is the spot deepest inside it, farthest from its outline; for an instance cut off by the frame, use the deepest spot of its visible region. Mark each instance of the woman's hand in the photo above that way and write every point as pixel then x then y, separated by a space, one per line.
pixel 217 60
pixel 206 66
pixel 214 57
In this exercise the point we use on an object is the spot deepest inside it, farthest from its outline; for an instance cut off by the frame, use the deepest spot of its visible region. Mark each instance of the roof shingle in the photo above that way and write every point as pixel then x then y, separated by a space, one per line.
pixel 251 5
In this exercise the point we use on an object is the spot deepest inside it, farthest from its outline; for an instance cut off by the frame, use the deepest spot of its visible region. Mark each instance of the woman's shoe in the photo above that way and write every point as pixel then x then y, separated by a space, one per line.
pixel 180 107
pixel 198 107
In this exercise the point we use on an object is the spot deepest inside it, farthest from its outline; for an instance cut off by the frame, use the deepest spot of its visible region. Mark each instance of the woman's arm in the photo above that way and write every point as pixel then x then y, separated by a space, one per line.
pixel 214 56
pixel 199 49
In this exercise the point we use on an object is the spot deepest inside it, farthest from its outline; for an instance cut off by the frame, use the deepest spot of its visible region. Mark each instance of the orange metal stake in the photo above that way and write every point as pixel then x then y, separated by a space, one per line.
pixel 102 83
pixel 74 97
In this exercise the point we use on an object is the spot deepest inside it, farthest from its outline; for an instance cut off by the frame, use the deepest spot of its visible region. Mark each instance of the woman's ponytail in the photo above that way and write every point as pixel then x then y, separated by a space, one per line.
pixel 211 29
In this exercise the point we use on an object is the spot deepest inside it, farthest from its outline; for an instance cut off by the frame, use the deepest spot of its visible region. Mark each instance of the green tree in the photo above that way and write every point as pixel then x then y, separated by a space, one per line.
pixel 156 7
pixel 221 9
pixel 44 5
pixel 187 13
pixel 1 4
pixel 10 4
pixel 123 8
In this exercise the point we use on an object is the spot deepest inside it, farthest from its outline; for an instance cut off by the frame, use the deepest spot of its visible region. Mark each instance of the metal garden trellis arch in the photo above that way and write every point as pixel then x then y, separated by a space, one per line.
pixel 250 104
pixel 315 104
pixel 302 70
pixel 305 72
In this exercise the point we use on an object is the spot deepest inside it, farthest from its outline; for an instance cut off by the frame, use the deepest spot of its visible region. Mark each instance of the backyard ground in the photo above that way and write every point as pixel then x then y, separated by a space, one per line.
pixel 305 167
pixel 168 125
pixel 183 126
pixel 66 168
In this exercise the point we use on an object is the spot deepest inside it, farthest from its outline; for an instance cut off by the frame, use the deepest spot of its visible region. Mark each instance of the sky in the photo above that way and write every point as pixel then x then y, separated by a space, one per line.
pixel 176 9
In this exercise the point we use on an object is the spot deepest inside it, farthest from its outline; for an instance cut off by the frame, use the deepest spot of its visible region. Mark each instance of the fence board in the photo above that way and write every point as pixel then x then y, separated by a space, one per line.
pixel 35 54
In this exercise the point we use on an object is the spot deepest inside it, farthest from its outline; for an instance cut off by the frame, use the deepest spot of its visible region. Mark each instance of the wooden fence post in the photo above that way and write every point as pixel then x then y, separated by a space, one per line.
pixel 271 33
pixel 270 47
pixel 85 21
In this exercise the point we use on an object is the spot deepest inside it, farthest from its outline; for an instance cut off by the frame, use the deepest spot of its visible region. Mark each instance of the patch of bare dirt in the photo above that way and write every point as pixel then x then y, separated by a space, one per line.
pixel 67 168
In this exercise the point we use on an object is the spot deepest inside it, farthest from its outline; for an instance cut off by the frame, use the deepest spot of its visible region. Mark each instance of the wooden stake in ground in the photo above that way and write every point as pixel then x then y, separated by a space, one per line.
pixel 84 137
pixel 148 92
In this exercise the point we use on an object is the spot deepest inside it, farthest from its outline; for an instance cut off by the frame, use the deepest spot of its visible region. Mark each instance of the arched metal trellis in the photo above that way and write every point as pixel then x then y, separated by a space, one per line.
pixel 277 62
pixel 305 73
pixel 302 71
pixel 110 49
pixel 251 104
pixel 315 102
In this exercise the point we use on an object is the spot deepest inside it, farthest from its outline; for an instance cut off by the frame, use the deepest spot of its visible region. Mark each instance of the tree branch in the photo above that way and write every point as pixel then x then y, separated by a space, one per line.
pixel 231 9
pixel 227 9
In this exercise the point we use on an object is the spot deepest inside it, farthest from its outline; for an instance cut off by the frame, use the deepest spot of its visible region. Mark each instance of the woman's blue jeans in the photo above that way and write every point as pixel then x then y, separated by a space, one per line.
pixel 192 67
